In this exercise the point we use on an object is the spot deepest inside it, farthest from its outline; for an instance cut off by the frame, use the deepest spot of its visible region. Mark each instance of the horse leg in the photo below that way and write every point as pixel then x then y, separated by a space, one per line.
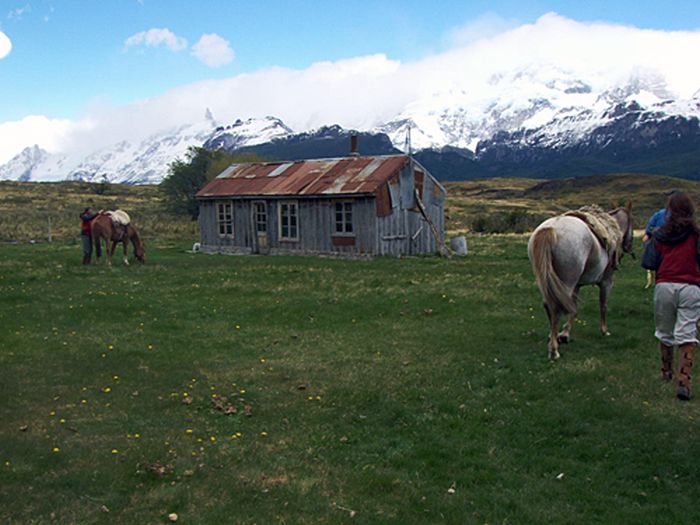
pixel 126 248
pixel 604 288
pixel 553 342
pixel 98 248
pixel 111 245
pixel 565 335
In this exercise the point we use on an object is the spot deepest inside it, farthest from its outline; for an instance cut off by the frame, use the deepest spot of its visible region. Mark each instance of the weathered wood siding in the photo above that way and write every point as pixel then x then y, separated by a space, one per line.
pixel 403 232
pixel 316 223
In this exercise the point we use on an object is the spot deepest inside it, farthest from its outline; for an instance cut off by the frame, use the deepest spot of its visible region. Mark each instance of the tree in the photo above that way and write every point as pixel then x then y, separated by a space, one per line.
pixel 186 177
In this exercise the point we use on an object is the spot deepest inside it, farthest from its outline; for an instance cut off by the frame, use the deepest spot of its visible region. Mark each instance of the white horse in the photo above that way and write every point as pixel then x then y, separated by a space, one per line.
pixel 565 255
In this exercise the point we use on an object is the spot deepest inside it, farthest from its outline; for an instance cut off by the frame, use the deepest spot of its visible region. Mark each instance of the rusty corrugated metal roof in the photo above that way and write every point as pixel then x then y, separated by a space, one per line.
pixel 338 176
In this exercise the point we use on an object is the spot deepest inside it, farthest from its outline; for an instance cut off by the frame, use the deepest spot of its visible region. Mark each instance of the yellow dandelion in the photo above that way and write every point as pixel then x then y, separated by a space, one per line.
pixel 116 378
pixel 115 451
pixel 137 436
pixel 188 431
pixel 238 327
pixel 110 347
pixel 52 413
pixel 238 434
pixel 212 438
pixel 242 390
pixel 61 421
pixel 263 433
pixel 185 394
pixel 56 449
pixel 106 390
pixel 150 347
pixel 83 401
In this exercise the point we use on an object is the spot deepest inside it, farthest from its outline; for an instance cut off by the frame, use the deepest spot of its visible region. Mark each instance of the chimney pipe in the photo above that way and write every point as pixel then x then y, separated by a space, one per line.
pixel 353 146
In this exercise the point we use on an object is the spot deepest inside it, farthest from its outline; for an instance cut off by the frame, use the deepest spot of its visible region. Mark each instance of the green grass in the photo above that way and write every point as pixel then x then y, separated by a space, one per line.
pixel 498 205
pixel 30 210
pixel 389 391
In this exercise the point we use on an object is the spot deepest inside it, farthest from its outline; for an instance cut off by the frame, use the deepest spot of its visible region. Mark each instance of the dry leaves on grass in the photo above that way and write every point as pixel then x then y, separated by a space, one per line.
pixel 159 469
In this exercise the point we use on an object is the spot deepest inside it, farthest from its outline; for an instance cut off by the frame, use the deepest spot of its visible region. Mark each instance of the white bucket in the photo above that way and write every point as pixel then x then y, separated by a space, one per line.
pixel 459 245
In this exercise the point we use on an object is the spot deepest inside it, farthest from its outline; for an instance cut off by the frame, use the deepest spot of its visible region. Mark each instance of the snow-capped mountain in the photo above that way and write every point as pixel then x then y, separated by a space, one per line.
pixel 534 121
pixel 22 166
pixel 143 162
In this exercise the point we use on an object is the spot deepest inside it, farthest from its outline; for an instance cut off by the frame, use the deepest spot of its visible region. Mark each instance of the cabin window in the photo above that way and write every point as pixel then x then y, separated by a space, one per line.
pixel 343 218
pixel 289 221
pixel 224 219
pixel 260 211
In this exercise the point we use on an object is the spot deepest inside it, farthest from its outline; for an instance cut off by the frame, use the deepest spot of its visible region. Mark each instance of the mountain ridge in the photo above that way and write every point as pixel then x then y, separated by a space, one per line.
pixel 538 122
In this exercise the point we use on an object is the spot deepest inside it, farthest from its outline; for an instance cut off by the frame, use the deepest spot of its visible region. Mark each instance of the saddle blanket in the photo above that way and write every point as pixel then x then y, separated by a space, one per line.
pixel 119 217
pixel 604 227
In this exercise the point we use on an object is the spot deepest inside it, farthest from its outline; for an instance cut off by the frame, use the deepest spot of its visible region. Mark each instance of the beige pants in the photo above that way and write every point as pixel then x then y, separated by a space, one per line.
pixel 676 313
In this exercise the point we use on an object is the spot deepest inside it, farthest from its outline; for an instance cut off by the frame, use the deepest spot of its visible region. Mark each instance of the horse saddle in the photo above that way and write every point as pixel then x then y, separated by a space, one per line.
pixel 120 220
pixel 605 229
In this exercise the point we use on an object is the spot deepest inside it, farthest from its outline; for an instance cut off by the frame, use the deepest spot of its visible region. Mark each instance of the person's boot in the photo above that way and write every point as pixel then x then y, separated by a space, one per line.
pixel 666 361
pixel 687 352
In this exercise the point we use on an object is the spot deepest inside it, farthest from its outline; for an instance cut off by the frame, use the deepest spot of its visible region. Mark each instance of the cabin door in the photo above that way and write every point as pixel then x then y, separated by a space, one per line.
pixel 260 228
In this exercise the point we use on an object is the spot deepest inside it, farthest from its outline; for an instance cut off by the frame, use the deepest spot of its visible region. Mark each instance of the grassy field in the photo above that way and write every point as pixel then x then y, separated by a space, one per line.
pixel 311 390
pixel 482 206
pixel 29 211
pixel 519 205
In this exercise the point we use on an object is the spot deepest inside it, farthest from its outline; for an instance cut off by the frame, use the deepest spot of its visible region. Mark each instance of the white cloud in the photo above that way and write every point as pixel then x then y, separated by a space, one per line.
pixel 157 37
pixel 213 50
pixel 5 45
pixel 485 26
pixel 50 134
pixel 364 91
pixel 16 14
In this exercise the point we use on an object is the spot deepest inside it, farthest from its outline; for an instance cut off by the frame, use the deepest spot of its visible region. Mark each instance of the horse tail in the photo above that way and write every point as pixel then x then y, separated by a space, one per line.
pixel 554 293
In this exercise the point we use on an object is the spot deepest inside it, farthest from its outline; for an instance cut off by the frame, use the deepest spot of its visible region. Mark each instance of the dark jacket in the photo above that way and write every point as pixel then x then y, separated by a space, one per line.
pixel 86 222
pixel 674 256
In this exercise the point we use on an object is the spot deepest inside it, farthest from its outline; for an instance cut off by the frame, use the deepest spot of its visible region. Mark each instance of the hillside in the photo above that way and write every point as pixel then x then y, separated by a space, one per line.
pixel 518 205
pixel 27 207
pixel 497 205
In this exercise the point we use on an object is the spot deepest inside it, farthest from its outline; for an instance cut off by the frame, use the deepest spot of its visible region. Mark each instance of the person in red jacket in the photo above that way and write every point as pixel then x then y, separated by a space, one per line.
pixel 86 233
pixel 673 252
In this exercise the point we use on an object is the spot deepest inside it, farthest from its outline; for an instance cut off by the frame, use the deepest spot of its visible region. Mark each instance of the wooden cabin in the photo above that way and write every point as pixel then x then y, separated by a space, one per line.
pixel 356 205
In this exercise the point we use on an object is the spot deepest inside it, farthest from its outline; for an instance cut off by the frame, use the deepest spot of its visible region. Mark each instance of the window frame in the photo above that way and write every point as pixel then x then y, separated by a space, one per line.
pixel 281 217
pixel 346 210
pixel 257 205
pixel 224 220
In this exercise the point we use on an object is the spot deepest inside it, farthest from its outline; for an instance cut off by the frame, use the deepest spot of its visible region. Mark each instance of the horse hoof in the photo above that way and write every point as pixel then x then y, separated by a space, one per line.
pixel 553 356
pixel 606 333
pixel 564 339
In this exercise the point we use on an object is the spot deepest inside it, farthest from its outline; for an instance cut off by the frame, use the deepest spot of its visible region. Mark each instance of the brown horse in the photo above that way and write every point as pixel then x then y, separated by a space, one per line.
pixel 104 228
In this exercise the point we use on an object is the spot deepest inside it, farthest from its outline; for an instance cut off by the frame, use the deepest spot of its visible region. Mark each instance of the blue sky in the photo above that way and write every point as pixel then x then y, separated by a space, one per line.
pixel 67 55
pixel 72 58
